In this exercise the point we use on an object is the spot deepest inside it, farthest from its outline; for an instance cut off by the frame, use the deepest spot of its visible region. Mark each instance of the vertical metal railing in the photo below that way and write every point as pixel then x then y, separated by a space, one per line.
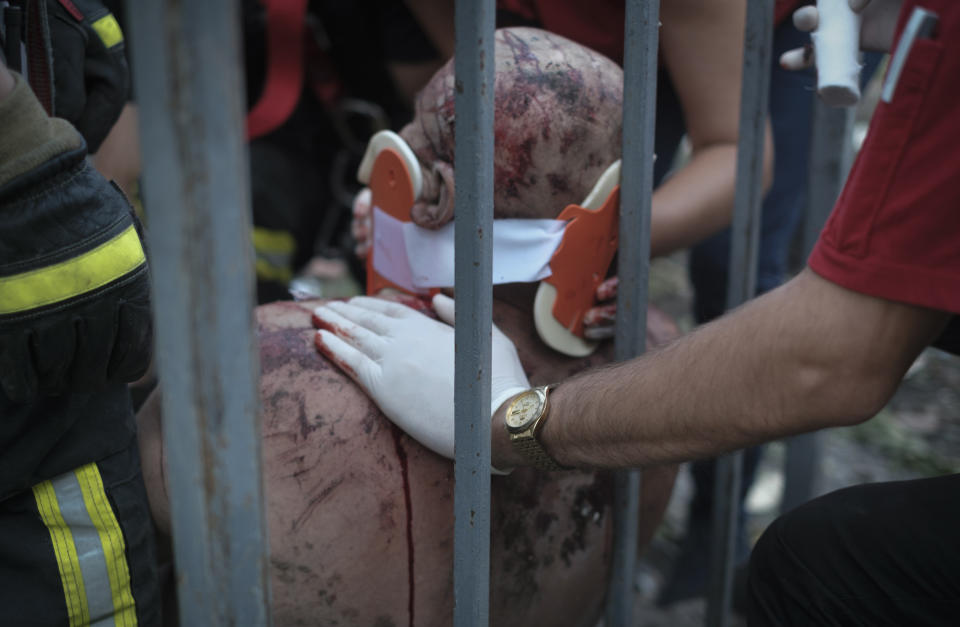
pixel 831 153
pixel 741 283
pixel 473 166
pixel 641 40
pixel 187 68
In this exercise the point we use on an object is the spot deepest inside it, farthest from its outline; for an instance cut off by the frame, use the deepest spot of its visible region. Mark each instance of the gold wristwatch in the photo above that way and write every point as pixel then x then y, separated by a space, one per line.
pixel 526 415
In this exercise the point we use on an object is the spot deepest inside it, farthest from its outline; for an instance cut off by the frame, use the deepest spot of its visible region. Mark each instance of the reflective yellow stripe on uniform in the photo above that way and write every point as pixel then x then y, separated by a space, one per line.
pixel 83 273
pixel 89 548
pixel 111 539
pixel 274 250
pixel 66 553
pixel 109 30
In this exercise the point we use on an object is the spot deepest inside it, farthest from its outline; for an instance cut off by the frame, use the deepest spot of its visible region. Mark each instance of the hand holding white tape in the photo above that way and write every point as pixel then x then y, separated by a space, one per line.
pixel 836 46
pixel 840 29
pixel 404 360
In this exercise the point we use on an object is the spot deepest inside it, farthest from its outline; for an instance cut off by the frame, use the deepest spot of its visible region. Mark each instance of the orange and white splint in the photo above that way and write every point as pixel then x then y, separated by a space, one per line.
pixel 568 256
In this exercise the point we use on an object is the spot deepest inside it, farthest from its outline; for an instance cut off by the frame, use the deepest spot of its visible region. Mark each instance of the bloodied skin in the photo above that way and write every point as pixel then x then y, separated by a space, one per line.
pixel 361 516
pixel 557 127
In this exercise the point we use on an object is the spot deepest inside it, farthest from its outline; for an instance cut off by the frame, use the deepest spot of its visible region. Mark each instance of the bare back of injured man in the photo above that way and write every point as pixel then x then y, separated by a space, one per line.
pixel 360 515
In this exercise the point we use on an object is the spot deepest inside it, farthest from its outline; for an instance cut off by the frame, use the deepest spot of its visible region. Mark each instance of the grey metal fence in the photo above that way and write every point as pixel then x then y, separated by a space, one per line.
pixel 831 154
pixel 189 86
pixel 741 281
pixel 473 275
pixel 641 42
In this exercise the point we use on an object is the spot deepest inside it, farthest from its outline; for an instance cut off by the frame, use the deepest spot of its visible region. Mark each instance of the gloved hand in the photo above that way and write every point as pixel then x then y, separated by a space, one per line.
pixel 876 30
pixel 91 78
pixel 404 360
pixel 74 289
pixel 362 222
pixel 79 345
pixel 599 321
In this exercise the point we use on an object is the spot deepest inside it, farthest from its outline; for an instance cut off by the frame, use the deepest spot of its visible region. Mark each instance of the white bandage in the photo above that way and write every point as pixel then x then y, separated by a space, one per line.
pixel 416 258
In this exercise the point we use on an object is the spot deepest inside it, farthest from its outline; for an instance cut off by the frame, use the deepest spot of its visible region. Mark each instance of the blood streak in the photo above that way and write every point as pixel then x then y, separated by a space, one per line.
pixel 329 354
pixel 336 329
pixel 404 471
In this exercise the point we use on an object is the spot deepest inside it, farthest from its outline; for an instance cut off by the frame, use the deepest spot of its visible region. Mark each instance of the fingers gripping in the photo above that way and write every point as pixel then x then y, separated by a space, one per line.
pixel 806 18
pixel 444 306
pixel 360 226
pixel 608 289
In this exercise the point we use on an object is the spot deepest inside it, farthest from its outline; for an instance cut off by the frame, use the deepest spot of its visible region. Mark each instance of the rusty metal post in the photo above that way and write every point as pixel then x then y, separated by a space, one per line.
pixel 831 154
pixel 641 36
pixel 187 67
pixel 744 246
pixel 473 273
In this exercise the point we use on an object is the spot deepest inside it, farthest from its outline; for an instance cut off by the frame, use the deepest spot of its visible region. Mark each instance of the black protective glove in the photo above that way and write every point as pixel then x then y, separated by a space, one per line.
pixel 74 289
pixel 91 77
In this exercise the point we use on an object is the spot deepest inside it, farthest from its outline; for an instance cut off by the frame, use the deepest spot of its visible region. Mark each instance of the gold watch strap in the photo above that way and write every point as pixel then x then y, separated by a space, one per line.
pixel 530 448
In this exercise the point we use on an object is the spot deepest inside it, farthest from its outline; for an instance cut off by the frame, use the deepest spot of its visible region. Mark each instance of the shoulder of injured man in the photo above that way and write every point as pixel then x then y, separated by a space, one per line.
pixel 366 514
pixel 361 516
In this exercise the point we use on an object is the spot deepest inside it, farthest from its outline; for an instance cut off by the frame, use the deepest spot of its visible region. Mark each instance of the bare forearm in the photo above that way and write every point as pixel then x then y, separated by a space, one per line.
pixel 695 202
pixel 436 19
pixel 804 357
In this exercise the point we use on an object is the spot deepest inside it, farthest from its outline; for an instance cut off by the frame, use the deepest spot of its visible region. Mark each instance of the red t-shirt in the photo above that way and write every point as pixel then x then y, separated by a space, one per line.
pixel 597 24
pixel 895 230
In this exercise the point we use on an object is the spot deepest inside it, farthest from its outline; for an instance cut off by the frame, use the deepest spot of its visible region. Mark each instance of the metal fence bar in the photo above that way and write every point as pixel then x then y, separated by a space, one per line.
pixel 831 153
pixel 641 37
pixel 741 282
pixel 189 87
pixel 473 165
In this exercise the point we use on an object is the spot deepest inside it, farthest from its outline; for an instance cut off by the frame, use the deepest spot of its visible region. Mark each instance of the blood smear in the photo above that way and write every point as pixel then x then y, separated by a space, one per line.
pixel 404 470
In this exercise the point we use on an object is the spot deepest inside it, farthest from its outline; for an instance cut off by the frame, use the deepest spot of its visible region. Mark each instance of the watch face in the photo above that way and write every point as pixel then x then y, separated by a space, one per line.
pixel 524 409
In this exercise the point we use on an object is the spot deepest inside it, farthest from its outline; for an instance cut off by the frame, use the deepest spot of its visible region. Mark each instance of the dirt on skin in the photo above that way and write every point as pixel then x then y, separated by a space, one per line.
pixel 361 515
pixel 557 127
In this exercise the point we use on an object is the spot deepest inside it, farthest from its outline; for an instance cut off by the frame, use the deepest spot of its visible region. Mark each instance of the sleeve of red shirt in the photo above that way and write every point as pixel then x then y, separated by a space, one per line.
pixel 895 230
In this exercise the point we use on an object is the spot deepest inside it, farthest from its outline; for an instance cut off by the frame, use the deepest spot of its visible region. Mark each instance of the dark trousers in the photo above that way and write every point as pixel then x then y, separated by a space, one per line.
pixel 877 554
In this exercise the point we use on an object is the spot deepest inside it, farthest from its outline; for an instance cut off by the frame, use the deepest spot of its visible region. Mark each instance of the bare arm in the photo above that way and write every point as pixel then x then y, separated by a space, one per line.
pixel 697 200
pixel 806 356
pixel 435 18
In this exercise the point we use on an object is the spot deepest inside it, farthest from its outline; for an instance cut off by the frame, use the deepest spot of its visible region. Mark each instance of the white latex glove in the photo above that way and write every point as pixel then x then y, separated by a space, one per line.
pixel 879 21
pixel 404 361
